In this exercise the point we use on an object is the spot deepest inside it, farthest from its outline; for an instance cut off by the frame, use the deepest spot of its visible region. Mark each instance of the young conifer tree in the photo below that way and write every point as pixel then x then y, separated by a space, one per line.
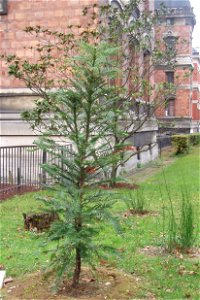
pixel 85 100
pixel 80 118
pixel 75 114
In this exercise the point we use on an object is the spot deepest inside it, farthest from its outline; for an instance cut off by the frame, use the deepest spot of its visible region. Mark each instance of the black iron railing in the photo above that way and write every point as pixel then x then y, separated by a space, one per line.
pixel 163 141
pixel 20 168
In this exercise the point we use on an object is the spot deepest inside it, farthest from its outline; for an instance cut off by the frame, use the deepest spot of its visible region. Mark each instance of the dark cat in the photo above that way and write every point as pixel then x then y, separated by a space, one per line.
pixel 38 222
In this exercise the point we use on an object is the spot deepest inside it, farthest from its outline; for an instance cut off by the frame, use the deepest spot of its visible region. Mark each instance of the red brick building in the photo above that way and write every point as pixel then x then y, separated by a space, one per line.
pixel 196 86
pixel 15 15
pixel 180 113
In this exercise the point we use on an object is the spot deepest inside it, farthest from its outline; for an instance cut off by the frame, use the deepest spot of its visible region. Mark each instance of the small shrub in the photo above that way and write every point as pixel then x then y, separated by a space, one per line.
pixel 181 142
pixel 194 139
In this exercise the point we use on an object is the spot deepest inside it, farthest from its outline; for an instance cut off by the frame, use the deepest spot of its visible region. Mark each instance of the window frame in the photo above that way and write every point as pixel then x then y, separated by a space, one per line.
pixel 170 107
pixel 3 7
pixel 169 76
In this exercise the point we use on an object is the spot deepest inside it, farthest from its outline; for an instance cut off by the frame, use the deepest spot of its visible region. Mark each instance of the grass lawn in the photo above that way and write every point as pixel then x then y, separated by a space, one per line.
pixel 159 275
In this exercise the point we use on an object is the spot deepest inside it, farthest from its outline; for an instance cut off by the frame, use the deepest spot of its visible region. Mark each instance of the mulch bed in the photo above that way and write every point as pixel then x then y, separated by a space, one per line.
pixel 105 283
pixel 143 213
pixel 9 190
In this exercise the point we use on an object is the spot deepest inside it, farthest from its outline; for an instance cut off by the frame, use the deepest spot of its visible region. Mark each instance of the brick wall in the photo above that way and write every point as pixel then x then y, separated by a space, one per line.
pixel 196 90
pixel 196 72
pixel 58 14
pixel 52 14
pixel 182 30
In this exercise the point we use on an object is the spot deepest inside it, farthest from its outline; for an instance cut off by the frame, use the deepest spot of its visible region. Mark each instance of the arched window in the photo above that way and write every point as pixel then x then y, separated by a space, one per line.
pixel 116 4
pixel 115 12
pixel 135 15
pixel 170 76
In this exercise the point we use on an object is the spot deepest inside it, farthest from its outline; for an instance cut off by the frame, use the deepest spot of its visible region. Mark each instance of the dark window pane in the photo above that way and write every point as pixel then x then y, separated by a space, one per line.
pixel 3 7
pixel 169 110
pixel 169 21
pixel 170 77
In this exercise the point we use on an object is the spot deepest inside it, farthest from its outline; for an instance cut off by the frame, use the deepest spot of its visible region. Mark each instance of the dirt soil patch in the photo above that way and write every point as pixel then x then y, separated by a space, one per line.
pixel 193 253
pixel 153 251
pixel 144 213
pixel 108 283
pixel 8 190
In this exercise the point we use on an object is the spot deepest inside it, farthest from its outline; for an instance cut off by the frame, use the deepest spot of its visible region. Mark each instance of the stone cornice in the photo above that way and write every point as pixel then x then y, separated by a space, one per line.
pixel 19 92
pixel 16 92
pixel 184 60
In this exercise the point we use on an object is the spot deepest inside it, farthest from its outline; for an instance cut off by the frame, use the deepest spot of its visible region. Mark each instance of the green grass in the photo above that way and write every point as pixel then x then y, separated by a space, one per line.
pixel 20 250
pixel 166 276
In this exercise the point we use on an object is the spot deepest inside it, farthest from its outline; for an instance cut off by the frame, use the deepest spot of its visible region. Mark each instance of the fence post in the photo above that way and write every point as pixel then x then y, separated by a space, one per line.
pixel 10 177
pixel 44 160
pixel 150 151
pixel 18 178
pixel 138 157
pixel 160 147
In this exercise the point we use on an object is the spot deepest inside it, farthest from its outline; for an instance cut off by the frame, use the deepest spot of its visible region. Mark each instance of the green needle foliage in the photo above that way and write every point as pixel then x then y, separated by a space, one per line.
pixel 77 115
pixel 85 99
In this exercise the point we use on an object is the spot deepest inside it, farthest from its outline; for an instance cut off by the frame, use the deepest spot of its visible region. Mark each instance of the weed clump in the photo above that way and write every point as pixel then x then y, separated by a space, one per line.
pixel 135 201
pixel 179 233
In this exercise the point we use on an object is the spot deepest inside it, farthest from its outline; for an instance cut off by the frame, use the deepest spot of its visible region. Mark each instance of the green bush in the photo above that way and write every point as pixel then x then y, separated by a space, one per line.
pixel 181 142
pixel 194 139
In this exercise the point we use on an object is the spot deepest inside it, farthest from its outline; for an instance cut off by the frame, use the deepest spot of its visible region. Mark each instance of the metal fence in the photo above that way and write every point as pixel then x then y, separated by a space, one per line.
pixel 20 168
pixel 163 141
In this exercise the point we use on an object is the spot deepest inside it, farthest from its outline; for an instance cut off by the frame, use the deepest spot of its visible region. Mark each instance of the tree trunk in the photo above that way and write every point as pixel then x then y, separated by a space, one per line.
pixel 77 269
pixel 113 175
pixel 78 227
